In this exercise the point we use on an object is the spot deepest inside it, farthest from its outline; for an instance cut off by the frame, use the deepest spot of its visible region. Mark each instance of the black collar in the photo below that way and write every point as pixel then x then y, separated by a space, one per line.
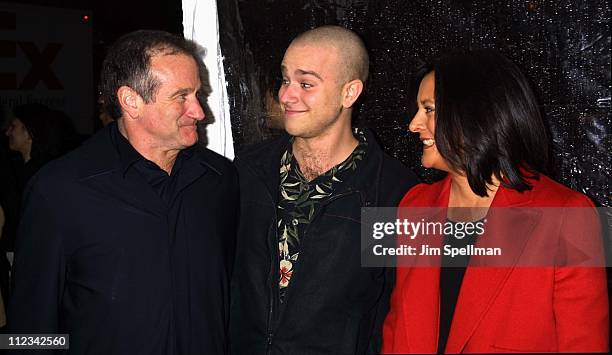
pixel 99 155
pixel 128 156
pixel 263 160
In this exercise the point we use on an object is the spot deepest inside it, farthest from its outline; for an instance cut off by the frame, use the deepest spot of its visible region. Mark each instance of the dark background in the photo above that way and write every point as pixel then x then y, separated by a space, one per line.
pixel 112 18
pixel 563 47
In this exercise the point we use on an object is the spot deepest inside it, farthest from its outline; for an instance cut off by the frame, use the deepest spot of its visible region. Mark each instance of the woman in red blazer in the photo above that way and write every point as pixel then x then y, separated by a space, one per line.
pixel 478 121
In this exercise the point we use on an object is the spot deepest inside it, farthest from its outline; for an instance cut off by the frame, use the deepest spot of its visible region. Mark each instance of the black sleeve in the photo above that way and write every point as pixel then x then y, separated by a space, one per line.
pixel 234 219
pixel 395 182
pixel 39 268
pixel 381 311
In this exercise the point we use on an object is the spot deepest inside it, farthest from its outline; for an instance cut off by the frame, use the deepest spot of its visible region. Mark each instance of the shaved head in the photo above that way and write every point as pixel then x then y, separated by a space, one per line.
pixel 352 54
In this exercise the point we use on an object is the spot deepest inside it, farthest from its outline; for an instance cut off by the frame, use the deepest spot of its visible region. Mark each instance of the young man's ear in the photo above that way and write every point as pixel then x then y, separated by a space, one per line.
pixel 351 92
pixel 131 103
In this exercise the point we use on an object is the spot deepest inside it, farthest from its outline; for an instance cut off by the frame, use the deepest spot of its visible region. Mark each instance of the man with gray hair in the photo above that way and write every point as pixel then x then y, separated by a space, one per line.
pixel 298 286
pixel 127 243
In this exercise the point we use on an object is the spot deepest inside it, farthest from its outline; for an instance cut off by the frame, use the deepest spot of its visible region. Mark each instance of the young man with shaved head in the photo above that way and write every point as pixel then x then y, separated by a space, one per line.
pixel 298 286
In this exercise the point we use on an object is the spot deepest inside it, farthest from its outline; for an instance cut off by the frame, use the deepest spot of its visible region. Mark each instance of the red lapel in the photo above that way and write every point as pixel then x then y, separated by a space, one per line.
pixel 481 285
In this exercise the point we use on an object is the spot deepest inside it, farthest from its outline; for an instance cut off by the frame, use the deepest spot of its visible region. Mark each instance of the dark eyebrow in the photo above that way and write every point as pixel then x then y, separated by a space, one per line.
pixel 308 72
pixel 302 72
pixel 427 101
pixel 180 92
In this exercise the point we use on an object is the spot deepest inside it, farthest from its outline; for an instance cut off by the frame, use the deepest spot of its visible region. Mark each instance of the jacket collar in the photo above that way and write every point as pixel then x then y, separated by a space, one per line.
pixel 368 179
pixel 264 161
pixel 481 285
pixel 101 169
pixel 99 155
pixel 505 197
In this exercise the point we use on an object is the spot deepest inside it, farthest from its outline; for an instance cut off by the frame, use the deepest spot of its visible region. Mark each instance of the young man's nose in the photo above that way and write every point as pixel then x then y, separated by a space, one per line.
pixel 286 94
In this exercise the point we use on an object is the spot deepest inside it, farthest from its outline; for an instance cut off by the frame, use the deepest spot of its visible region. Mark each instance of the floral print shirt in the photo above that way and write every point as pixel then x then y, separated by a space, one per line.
pixel 299 200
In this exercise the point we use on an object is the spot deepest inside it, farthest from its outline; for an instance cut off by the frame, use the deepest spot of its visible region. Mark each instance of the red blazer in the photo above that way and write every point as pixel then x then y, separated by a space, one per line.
pixel 509 309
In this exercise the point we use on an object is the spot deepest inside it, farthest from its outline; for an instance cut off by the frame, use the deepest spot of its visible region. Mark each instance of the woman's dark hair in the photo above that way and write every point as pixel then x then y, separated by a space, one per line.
pixel 488 122
pixel 128 63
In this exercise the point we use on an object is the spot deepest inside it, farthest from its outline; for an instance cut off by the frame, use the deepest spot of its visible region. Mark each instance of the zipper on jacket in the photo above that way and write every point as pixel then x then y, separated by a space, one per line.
pixel 270 334
pixel 274 257
pixel 275 261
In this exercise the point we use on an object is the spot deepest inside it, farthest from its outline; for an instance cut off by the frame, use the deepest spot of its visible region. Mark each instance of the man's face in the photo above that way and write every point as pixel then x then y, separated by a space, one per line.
pixel 311 91
pixel 170 120
pixel 18 136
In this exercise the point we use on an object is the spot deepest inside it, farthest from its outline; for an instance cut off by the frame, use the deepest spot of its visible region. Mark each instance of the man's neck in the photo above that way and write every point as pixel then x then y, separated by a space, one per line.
pixel 164 159
pixel 317 155
pixel 161 157
pixel 26 154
